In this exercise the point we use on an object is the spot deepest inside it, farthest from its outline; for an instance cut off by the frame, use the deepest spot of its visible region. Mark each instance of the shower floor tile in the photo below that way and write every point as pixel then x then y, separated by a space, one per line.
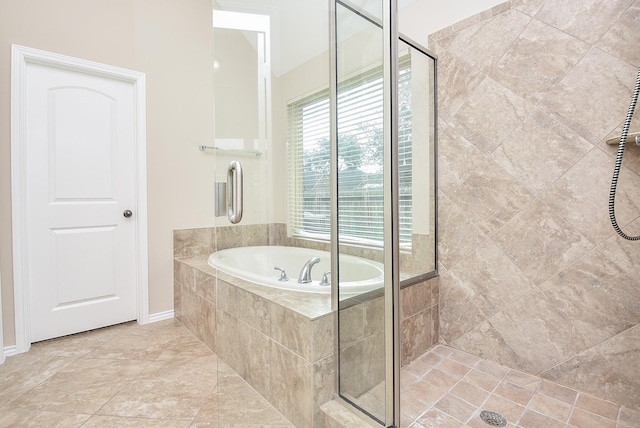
pixel 429 399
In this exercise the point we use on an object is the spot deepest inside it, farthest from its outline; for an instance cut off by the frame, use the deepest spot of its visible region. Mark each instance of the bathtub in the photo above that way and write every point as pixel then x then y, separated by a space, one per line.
pixel 256 264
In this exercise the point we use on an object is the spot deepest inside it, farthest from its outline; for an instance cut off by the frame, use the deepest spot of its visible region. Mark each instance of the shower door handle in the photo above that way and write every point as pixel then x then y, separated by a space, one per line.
pixel 234 192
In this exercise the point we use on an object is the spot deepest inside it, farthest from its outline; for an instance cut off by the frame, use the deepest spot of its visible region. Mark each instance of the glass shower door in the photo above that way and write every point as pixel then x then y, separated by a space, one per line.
pixel 384 164
pixel 362 207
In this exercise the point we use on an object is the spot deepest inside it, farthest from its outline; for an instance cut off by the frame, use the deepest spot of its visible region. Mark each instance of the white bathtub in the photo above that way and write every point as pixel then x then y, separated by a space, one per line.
pixel 256 264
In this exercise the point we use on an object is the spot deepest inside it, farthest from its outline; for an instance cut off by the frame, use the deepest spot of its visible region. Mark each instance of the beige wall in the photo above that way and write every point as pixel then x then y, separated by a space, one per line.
pixel 171 42
pixel 533 275
pixel 237 118
pixel 423 17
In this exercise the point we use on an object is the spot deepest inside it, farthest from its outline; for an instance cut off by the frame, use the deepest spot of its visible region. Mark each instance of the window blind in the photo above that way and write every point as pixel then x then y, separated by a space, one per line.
pixel 360 152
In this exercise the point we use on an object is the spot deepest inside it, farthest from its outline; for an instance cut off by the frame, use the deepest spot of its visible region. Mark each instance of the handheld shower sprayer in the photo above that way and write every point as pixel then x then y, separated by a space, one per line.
pixel 616 170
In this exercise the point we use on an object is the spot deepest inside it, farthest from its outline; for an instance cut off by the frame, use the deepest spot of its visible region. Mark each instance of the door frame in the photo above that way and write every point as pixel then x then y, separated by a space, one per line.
pixel 21 56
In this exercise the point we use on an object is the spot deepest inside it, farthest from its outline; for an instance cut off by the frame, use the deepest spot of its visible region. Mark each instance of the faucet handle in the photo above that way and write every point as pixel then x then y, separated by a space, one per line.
pixel 283 274
pixel 325 278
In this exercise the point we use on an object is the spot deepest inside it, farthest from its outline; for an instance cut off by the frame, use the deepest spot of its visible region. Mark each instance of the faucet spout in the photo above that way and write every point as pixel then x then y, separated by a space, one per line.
pixel 305 273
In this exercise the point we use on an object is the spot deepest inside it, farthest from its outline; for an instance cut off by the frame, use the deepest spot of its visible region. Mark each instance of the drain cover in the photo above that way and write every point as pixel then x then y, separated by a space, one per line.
pixel 492 418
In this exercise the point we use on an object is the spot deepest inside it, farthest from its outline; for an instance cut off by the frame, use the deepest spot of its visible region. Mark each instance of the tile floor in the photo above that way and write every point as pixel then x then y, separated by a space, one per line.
pixel 448 388
pixel 160 375
pixel 156 375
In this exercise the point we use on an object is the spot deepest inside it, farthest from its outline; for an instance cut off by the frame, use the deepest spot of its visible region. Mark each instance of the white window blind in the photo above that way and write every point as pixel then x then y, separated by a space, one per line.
pixel 360 180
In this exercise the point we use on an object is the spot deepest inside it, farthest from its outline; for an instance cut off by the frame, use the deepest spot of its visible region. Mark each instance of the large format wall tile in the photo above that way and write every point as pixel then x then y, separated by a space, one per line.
pixel 540 243
pixel 413 300
pixel 581 196
pixel 458 313
pixel 323 337
pixel 623 38
pixel 458 235
pixel 624 253
pixel 292 330
pixel 530 7
pixel 541 341
pixel 490 279
pixel 291 388
pixel 531 75
pixel 593 97
pixel 484 43
pixel 540 140
pixel 416 337
pixel 490 197
pixel 587 20
pixel 253 309
pixel 609 370
pixel 485 341
pixel 323 385
pixel 631 158
pixel 570 285
pixel 457 159
pixel 190 242
pixel 597 297
pixel 457 80
pixel 490 114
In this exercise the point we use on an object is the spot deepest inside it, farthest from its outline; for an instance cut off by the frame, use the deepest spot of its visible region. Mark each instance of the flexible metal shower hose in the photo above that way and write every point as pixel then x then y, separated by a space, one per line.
pixel 616 170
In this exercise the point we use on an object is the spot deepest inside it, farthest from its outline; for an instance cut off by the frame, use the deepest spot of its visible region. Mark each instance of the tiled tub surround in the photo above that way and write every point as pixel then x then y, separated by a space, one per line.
pixel 533 275
pixel 281 342
pixel 191 242
pixel 362 340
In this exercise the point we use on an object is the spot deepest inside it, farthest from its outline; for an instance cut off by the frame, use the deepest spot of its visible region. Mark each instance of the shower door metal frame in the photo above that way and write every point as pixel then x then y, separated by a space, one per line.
pixel 391 247
pixel 392 214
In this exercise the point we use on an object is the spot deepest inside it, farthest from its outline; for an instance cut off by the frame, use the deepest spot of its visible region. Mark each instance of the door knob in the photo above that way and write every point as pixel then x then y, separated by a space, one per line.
pixel 127 213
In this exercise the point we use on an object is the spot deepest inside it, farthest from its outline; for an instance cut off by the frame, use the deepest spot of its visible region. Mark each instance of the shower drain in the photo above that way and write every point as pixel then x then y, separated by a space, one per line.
pixel 492 418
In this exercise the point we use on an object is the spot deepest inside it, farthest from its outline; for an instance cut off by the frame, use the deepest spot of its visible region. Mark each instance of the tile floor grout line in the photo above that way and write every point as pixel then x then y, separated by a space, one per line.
pixel 421 378
pixel 449 390
pixel 526 408
pixel 492 392
pixel 448 358
pixel 455 361
pixel 573 407
pixel 41 382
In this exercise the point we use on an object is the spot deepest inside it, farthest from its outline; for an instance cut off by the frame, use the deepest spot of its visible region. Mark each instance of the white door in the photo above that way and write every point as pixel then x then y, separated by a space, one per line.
pixel 80 186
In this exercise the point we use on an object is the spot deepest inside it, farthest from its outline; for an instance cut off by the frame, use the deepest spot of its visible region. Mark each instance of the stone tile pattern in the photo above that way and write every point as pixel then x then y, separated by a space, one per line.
pixel 156 375
pixel 419 302
pixel 446 387
pixel 362 341
pixel 532 274
pixel 256 334
pixel 286 357
pixel 192 242
pixel 161 375
pixel 419 321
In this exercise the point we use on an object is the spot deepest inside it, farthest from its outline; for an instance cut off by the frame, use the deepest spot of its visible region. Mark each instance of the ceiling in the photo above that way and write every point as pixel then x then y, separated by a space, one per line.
pixel 299 28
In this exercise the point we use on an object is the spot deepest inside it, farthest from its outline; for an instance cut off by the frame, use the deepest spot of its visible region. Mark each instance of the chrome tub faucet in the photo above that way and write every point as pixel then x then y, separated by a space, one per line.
pixel 305 273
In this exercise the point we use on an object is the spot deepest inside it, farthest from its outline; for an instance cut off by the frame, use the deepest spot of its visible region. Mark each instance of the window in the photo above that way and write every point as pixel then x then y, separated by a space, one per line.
pixel 360 181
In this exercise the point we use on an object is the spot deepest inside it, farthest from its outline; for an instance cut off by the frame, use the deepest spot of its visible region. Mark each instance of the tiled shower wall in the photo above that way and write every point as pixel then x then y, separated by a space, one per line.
pixel 533 276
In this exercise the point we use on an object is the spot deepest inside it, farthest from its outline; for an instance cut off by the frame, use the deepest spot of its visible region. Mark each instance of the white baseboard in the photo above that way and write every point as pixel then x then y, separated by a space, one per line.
pixel 160 316
pixel 10 351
